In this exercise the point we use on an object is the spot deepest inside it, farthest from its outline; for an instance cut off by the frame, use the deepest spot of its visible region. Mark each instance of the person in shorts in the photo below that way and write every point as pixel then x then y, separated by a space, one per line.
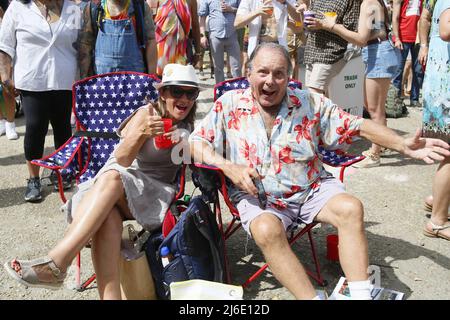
pixel 324 51
pixel 272 133
pixel 380 57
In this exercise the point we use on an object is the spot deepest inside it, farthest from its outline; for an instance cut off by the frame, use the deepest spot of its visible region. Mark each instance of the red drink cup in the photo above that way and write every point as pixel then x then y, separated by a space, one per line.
pixel 162 142
pixel 332 247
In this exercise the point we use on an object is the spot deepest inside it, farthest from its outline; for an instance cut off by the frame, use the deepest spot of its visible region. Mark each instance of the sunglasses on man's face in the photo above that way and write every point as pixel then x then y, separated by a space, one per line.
pixel 177 92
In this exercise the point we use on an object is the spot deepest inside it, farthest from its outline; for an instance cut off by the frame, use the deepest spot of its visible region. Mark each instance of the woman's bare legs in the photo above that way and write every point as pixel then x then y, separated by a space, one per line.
pixel 106 256
pixel 90 215
pixel 98 212
pixel 376 94
pixel 441 196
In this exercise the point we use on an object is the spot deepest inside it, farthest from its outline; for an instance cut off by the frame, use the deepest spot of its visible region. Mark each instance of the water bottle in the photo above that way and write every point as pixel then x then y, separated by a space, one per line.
pixel 166 256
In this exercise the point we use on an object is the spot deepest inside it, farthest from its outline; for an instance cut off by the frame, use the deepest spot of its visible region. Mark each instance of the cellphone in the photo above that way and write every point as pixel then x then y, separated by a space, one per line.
pixel 261 192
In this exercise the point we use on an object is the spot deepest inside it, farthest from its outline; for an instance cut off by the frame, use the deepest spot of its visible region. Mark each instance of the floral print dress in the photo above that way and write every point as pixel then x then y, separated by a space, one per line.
pixel 172 25
pixel 436 85
pixel 289 160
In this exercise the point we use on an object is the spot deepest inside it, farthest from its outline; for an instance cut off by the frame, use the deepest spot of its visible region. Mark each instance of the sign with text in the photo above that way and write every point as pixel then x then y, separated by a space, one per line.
pixel 347 88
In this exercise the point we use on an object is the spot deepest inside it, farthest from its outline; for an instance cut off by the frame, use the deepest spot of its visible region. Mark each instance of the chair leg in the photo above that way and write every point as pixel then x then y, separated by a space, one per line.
pixel 87 282
pixel 82 286
pixel 218 214
pixel 316 276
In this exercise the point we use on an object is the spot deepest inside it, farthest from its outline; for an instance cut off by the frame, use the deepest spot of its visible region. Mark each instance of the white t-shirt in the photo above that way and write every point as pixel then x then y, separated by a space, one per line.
pixel 44 58
pixel 281 16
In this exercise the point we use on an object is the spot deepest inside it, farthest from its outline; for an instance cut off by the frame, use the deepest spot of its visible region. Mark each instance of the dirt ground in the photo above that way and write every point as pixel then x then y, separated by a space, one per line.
pixel 394 217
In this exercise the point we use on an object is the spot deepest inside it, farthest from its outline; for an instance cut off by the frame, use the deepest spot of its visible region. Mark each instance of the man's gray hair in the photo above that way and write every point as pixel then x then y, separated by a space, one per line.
pixel 271 45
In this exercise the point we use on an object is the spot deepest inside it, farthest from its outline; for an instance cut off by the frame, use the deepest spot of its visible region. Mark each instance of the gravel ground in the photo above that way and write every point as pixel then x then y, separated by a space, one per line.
pixel 392 195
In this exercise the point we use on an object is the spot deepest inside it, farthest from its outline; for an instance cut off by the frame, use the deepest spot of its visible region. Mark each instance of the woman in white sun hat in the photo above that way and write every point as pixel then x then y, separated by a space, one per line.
pixel 135 183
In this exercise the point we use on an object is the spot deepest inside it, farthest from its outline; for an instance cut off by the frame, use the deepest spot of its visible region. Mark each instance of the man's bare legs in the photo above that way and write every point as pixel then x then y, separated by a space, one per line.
pixel 270 236
pixel 343 211
pixel 346 213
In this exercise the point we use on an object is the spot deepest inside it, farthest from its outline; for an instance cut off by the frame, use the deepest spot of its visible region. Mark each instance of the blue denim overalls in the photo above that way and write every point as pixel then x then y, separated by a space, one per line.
pixel 116 48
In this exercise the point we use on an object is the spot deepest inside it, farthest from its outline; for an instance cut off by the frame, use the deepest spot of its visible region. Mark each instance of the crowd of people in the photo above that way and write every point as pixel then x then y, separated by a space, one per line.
pixel 46 45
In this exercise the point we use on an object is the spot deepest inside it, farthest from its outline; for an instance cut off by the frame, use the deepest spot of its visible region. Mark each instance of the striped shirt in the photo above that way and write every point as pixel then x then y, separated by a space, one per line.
pixel 326 47
pixel 221 24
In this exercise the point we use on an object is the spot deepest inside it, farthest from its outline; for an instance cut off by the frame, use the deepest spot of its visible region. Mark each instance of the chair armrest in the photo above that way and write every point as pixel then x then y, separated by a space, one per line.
pixel 211 180
pixel 65 159
pixel 337 158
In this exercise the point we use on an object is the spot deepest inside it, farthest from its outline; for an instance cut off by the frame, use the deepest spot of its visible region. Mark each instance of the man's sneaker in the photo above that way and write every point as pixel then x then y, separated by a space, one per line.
pixel 415 104
pixel 11 133
pixel 371 160
pixel 33 192
pixel 2 127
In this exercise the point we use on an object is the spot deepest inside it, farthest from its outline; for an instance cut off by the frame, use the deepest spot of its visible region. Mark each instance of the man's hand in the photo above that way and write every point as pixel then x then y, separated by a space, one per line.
pixel 241 176
pixel 427 149
pixel 301 7
pixel 226 7
pixel 204 42
pixel 398 44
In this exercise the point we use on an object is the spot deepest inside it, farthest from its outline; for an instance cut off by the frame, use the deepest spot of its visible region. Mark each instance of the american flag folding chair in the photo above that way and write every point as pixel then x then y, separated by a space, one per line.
pixel 212 181
pixel 100 104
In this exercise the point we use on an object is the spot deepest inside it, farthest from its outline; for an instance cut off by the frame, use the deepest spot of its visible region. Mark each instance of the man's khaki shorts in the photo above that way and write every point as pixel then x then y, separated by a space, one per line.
pixel 318 75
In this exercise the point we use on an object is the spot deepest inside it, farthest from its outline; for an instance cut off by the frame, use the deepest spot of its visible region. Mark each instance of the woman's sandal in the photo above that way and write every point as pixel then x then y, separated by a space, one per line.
pixel 436 231
pixel 22 271
pixel 428 206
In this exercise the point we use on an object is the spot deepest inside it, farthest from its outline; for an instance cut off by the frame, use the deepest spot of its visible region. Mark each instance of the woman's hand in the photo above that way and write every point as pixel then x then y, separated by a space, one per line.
pixel 147 123
pixel 423 55
pixel 326 23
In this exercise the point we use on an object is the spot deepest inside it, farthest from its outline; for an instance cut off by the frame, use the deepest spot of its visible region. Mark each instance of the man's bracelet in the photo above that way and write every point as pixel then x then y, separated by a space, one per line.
pixel 333 26
pixel 424 45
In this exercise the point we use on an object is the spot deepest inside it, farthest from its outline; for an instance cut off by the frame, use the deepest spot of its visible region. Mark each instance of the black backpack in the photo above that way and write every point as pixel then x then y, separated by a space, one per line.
pixel 196 246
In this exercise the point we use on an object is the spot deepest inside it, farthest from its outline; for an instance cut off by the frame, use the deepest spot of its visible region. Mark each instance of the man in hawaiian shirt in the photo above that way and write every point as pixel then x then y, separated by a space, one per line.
pixel 273 132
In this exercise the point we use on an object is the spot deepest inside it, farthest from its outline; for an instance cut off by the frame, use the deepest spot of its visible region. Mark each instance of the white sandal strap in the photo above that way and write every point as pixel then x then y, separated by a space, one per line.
pixel 435 227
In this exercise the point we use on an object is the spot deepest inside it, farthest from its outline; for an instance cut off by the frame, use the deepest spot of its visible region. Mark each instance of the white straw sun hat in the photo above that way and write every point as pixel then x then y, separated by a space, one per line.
pixel 179 75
